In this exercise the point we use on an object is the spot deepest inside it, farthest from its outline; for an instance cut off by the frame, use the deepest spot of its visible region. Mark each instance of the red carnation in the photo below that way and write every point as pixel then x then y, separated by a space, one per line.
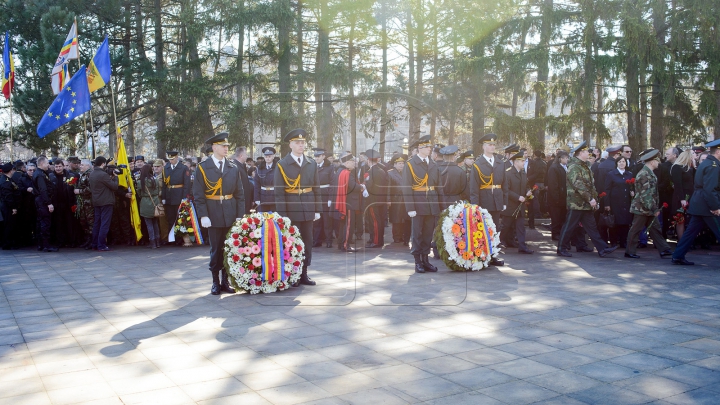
pixel 299 248
pixel 257 221
pixel 280 221
pixel 236 258
pixel 251 267
pixel 287 274
pixel 665 205
pixel 252 255
pixel 236 242
pixel 235 236
pixel 245 227
pixel 296 263
pixel 73 208
pixel 284 239
pixel 603 194
pixel 244 239
pixel 535 187
pixel 292 229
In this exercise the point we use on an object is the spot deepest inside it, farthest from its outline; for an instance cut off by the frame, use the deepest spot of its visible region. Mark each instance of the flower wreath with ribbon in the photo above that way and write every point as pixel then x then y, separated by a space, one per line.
pixel 466 237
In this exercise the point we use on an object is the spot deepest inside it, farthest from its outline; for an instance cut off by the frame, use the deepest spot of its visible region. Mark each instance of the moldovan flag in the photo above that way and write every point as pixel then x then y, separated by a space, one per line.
pixel 60 79
pixel 8 79
pixel 69 51
pixel 99 70
pixel 125 180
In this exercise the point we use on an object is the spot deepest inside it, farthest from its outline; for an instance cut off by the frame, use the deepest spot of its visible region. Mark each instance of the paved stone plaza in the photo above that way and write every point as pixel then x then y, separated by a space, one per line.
pixel 139 326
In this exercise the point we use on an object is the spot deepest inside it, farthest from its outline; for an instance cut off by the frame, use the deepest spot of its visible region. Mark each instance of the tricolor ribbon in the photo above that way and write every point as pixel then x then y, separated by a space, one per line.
pixel 195 224
pixel 271 248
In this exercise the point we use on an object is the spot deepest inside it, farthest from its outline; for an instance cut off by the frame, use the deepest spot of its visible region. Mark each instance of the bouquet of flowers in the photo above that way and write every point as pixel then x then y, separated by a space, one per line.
pixel 264 253
pixel 187 223
pixel 71 181
pixel 466 237
pixel 630 181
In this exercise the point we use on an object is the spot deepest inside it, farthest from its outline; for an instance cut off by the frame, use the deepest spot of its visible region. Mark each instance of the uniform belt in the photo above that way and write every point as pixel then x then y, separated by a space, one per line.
pixel 176 186
pixel 424 188
pixel 491 186
pixel 219 197
pixel 299 190
pixel 324 185
pixel 267 188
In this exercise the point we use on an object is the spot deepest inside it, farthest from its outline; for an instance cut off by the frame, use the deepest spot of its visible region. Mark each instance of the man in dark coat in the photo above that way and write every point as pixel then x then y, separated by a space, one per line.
pixel 376 194
pixel 219 199
pixel 297 193
pixel 63 199
pixel 27 213
pixel 264 189
pixel 704 206
pixel 323 228
pixel 614 153
pixel 177 185
pixel 401 224
pixel 345 204
pixel 241 163
pixel 44 192
pixel 421 178
pixel 486 184
pixel 557 201
pixel 536 171
pixel 9 206
pixel 516 185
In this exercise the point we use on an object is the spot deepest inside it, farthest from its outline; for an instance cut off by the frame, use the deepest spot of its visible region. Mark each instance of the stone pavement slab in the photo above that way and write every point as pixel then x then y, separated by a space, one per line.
pixel 138 326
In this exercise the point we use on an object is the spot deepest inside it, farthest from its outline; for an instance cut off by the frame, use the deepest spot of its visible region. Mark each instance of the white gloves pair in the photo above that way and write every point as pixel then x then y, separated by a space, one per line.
pixel 205 222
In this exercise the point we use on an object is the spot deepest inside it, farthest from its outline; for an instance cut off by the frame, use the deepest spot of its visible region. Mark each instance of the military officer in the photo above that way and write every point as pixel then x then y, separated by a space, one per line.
pixel 265 181
pixel 323 228
pixel 345 204
pixel 516 186
pixel 376 193
pixel 421 178
pixel 486 184
pixel 297 193
pixel 645 208
pixel 509 151
pixel 220 201
pixel 9 206
pixel 453 181
pixel 581 202
pixel 177 185
pixel 398 214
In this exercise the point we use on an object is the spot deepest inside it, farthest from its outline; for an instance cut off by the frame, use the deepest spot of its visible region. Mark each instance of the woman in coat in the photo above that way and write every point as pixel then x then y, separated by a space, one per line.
pixel 617 201
pixel 682 173
pixel 150 187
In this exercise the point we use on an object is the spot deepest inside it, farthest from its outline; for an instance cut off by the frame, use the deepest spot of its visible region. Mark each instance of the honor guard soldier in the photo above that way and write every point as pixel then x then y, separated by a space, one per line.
pixel 453 181
pixel 518 192
pixel 323 228
pixel 510 151
pixel 376 194
pixel 9 205
pixel 219 200
pixel 296 193
pixel 581 203
pixel 398 214
pixel 486 184
pixel 345 204
pixel 265 181
pixel 177 185
pixel 421 177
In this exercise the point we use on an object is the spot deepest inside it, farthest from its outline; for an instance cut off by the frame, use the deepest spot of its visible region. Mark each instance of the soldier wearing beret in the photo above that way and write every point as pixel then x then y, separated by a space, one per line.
pixel 486 184
pixel 219 200
pixel 177 186
pixel 264 189
pixel 297 193
pixel 376 194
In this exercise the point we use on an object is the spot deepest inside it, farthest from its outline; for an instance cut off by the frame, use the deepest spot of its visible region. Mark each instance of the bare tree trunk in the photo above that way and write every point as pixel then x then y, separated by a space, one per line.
pixel 599 117
pixel 632 96
pixel 589 68
pixel 325 112
pixel 161 114
pixel 435 86
pixel 300 67
pixel 716 129
pixel 420 69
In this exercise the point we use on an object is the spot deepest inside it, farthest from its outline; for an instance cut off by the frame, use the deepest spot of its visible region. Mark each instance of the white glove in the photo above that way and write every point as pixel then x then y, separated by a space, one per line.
pixel 317 216
pixel 257 202
pixel 504 207
pixel 163 201
pixel 205 222
pixel 366 194
pixel 412 214
pixel 329 203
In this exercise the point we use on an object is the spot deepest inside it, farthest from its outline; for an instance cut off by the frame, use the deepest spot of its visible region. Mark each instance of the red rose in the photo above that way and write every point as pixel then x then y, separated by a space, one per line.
pixel 235 236
pixel 252 256
pixel 244 239
pixel 299 248
pixel 284 239
pixel 281 226
pixel 73 208
pixel 287 274
pixel 296 264
pixel 245 227
pixel 236 242
pixel 280 221
pixel 665 205
pixel 251 267
pixel 236 258
pixel 292 229
pixel 603 194
pixel 257 221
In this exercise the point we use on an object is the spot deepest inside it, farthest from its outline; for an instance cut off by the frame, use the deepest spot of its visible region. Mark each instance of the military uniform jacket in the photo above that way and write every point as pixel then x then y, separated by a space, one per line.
pixel 423 202
pixel 83 184
pixel 222 213
pixel 491 197
pixel 706 197
pixel 453 184
pixel 516 186
pixel 398 213
pixel 353 193
pixel 297 206
pixel 325 178
pixel 377 185
pixel 264 185
pixel 580 185
pixel 647 200
pixel 9 195
pixel 180 176
pixel 43 187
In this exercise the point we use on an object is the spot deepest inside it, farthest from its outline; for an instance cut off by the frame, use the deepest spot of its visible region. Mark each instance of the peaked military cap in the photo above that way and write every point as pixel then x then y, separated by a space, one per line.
pixel 713 144
pixel 449 150
pixel 140 157
pixel 518 156
pixel 398 158
pixel 650 155
pixel 346 158
pixel 583 146
pixel 268 150
pixel 512 148
pixel 296 135
pixel 172 154
pixel 698 148
pixel 614 149
pixel 219 139
pixel 7 167
pixel 74 159
pixel 319 151
pixel 489 138
pixel 468 154
pixel 372 154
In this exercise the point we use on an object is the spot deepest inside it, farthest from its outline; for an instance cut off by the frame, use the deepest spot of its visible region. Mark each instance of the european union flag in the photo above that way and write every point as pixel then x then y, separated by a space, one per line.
pixel 73 100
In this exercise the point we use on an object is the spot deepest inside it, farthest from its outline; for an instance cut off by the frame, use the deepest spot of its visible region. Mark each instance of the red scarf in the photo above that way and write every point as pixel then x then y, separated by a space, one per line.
pixel 341 196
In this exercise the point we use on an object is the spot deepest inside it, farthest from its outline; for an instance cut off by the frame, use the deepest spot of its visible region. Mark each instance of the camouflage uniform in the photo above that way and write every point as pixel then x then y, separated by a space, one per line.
pixel 580 191
pixel 643 207
pixel 85 211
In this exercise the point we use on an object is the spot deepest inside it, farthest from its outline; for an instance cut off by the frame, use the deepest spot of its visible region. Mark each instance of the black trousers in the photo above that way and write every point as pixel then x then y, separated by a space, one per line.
pixel 422 233
pixel 347 225
pixel 378 215
pixel 401 231
pixel 692 229
pixel 217 237
pixel 587 220
pixel 517 224
pixel 558 213
pixel 323 228
pixel 171 216
pixel 44 222
pixel 306 234
pixel 10 235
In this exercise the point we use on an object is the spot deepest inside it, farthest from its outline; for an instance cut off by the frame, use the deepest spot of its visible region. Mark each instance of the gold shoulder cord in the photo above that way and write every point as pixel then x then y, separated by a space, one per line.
pixel 485 181
pixel 417 182
pixel 209 185
pixel 291 184
pixel 166 179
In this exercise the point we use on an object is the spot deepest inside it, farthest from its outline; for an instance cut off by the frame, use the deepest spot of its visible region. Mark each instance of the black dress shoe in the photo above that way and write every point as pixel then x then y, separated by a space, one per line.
pixel 497 262
pixel 225 287
pixel 52 249
pixel 564 253
pixel 317 244
pixel 427 266
pixel 611 249
pixel 419 268
pixel 584 249
pixel 665 253
pixel 682 262
pixel 348 250
pixel 526 251
pixel 215 290
pixel 328 245
pixel 607 251
pixel 641 245
pixel 305 280
pixel 631 256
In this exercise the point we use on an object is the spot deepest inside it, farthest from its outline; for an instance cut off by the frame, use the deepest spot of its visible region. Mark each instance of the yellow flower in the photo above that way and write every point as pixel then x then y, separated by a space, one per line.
pixel 190 230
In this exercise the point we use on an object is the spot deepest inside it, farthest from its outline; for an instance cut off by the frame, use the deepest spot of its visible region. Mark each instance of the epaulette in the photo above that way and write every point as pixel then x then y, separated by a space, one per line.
pixel 310 159
pixel 508 169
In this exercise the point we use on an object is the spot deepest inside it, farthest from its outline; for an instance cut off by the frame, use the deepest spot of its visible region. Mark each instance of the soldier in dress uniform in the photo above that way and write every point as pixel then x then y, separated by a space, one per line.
pixel 297 193
pixel 486 184
pixel 323 228
pixel 219 200
pixel 44 192
pixel 517 190
pixel 376 194
pixel 345 204
pixel 509 152
pixel 453 180
pixel 9 206
pixel 581 202
pixel 421 177
pixel 401 224
pixel 177 185
pixel 265 181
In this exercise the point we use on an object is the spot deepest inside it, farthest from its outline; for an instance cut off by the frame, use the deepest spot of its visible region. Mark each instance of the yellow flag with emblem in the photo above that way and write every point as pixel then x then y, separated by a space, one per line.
pixel 125 180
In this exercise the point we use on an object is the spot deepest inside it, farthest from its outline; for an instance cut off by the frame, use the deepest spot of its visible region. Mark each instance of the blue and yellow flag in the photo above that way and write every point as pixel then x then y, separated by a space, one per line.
pixel 99 70
pixel 73 100
pixel 8 79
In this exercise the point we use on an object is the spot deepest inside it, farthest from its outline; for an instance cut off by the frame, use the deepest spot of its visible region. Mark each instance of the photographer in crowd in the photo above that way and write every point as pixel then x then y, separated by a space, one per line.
pixel 102 187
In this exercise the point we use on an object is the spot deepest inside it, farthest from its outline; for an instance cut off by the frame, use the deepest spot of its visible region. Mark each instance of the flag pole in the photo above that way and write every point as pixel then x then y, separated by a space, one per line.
pixel 85 127
pixel 11 121
pixel 117 129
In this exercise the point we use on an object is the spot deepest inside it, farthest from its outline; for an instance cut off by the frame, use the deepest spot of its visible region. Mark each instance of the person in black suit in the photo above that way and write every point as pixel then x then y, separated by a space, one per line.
pixel 323 228
pixel 219 199
pixel 453 181
pixel 536 170
pixel 240 160
pixel 9 206
pixel 401 223
pixel 516 186
pixel 345 203
pixel 619 194
pixel 264 190
pixel 177 185
pixel 376 194
pixel 603 168
pixel 557 193
pixel 486 184
pixel 297 193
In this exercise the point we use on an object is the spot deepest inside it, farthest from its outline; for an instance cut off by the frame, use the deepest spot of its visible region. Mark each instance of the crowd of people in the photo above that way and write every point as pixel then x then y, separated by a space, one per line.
pixel 620 198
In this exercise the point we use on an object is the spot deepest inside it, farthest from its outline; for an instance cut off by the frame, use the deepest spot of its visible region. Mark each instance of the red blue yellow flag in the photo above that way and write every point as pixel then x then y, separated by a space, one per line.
pixel 99 70
pixel 8 80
